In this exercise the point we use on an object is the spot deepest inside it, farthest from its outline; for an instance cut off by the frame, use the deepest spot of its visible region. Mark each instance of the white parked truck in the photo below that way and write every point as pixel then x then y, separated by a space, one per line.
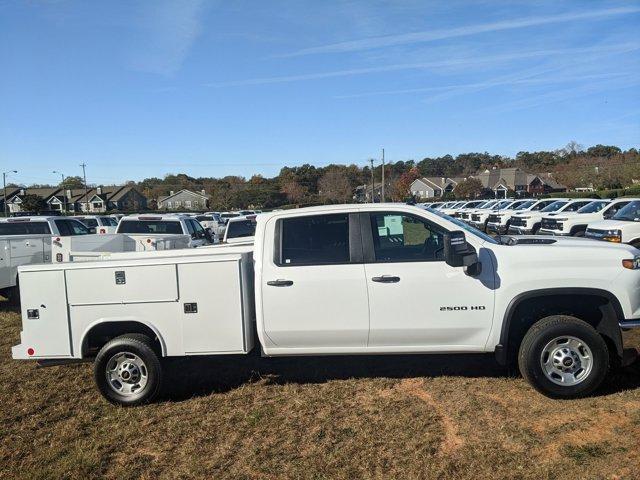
pixel 27 240
pixel 240 230
pixel 171 224
pixel 528 221
pixel 623 227
pixel 343 279
pixel 100 224
pixel 575 223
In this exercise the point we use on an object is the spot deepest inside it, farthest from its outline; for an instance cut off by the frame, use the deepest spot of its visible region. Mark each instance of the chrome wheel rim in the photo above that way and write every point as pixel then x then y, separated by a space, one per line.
pixel 566 360
pixel 126 373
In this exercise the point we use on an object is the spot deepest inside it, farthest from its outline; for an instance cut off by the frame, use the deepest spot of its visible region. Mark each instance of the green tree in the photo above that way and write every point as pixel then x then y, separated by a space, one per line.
pixel 469 188
pixel 71 183
pixel 33 203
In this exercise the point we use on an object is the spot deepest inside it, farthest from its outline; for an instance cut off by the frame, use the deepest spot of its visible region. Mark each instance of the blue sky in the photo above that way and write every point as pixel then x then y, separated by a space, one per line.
pixel 138 89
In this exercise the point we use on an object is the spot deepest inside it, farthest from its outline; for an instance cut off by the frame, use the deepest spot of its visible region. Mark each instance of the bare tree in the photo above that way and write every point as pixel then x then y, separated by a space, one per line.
pixel 334 186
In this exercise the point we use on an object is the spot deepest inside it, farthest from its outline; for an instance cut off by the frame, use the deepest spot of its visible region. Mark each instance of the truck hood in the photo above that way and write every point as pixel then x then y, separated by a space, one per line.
pixel 611 224
pixel 574 246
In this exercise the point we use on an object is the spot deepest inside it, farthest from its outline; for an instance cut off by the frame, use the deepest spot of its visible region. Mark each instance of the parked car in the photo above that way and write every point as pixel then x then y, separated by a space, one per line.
pixel 99 223
pixel 498 221
pixel 240 230
pixel 479 217
pixel 501 221
pixel 467 206
pixel 465 215
pixel 213 223
pixel 27 240
pixel 623 227
pixel 225 216
pixel 147 225
pixel 342 280
pixel 527 222
pixel 575 224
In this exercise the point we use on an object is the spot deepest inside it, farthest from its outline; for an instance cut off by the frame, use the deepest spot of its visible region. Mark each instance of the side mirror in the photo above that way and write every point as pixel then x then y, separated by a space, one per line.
pixel 458 253
pixel 208 236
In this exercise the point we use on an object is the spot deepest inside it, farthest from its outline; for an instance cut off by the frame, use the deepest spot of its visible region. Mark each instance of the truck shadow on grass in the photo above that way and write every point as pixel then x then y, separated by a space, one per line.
pixel 197 376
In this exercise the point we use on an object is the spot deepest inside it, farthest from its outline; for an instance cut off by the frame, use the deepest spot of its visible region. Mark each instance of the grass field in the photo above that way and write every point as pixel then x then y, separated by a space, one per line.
pixel 313 418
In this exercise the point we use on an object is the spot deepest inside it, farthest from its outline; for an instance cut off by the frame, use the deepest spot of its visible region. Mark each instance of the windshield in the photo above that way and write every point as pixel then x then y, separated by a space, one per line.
pixel 593 207
pixel 229 215
pixel 466 227
pixel 525 205
pixel 629 213
pixel 90 222
pixel 150 226
pixel 554 207
pixel 204 218
pixel 503 204
pixel 109 221
pixel 241 228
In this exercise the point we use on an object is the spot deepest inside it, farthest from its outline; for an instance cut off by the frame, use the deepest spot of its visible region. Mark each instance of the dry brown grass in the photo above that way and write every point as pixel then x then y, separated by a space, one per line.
pixel 313 418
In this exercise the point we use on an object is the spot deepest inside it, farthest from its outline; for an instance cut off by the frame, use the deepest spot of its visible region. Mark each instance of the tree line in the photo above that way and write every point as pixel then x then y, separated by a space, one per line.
pixel 599 166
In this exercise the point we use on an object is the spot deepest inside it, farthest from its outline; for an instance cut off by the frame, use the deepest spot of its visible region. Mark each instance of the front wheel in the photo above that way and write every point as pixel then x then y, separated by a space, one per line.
pixel 563 357
pixel 127 371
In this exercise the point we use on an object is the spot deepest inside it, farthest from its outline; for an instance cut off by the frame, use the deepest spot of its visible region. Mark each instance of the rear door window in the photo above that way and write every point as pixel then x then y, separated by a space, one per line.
pixel 24 228
pixel 314 240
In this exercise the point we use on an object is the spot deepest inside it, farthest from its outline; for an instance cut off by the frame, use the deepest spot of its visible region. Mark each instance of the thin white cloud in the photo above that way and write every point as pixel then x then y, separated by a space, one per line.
pixel 432 35
pixel 459 62
pixel 166 32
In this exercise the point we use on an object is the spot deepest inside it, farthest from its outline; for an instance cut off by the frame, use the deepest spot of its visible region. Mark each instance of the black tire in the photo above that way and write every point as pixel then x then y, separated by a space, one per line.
pixel 545 331
pixel 140 346
pixel 534 230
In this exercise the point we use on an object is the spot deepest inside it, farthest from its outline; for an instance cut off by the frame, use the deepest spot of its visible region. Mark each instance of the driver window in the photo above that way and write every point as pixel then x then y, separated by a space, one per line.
pixel 406 238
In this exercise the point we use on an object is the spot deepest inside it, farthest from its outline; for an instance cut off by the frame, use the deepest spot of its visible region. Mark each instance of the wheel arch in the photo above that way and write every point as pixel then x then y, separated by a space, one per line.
pixel 569 301
pixel 101 331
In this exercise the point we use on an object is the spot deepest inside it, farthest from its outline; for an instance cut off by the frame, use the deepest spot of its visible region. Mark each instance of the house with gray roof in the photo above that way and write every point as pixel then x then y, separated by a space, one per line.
pixel 184 200
pixel 433 187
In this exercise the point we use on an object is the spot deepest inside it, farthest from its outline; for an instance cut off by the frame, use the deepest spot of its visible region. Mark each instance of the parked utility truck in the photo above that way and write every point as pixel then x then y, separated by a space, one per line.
pixel 344 279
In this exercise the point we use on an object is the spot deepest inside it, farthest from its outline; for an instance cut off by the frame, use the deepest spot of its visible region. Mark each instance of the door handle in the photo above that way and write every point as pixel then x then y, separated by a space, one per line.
pixel 280 283
pixel 386 279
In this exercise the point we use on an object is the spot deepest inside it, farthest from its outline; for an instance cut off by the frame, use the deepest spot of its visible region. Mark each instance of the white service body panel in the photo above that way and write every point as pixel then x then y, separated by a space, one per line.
pixel 72 298
pixel 17 250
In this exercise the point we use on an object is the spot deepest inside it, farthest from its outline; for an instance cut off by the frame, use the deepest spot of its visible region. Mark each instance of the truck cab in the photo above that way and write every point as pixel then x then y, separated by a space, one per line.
pixel 575 223
pixel 148 225
pixel 623 227
pixel 240 230
pixel 498 222
pixel 480 217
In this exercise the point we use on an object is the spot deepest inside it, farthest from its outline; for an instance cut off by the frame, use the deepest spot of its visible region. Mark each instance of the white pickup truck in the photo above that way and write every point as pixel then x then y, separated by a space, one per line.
pixel 27 240
pixel 171 224
pixel 343 279
pixel 575 223
pixel 623 227
pixel 100 224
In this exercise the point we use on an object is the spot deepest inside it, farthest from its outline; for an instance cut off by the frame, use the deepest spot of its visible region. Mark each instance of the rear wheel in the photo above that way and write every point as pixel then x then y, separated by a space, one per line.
pixel 563 357
pixel 127 370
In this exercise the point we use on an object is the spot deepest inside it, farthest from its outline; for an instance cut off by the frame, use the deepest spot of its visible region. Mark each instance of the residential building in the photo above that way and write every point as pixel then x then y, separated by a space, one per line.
pixel 101 199
pixel 14 202
pixel 500 181
pixel 433 187
pixel 184 200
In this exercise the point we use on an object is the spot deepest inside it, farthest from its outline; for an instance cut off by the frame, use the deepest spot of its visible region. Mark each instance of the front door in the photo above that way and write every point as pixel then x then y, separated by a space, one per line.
pixel 314 294
pixel 416 300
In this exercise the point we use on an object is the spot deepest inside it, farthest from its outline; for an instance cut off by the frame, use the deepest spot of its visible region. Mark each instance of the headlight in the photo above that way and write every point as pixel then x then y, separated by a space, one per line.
pixel 632 264
pixel 612 236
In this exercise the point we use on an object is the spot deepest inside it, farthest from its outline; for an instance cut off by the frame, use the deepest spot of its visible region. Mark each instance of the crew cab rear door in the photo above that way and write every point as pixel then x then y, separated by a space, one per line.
pixel 314 292
pixel 417 301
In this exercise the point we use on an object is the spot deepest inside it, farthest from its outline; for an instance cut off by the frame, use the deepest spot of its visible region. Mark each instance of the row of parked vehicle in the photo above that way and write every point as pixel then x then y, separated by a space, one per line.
pixel 48 239
pixel 616 220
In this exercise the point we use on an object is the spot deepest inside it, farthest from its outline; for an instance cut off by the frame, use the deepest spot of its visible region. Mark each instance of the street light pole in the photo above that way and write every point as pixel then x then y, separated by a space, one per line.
pixel 86 192
pixel 383 199
pixel 4 187
pixel 64 194
pixel 373 184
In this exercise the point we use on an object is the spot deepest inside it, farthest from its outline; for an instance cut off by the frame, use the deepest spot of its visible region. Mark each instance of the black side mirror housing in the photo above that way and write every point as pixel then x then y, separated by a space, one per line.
pixel 458 253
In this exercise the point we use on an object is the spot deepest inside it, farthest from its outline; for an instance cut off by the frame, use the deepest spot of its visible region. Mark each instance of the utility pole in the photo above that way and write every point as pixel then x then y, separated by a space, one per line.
pixel 86 191
pixel 4 187
pixel 373 184
pixel 383 199
pixel 64 193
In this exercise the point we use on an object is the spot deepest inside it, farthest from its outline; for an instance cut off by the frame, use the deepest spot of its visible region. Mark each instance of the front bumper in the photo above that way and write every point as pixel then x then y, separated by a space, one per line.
pixel 630 332
pixel 497 228
pixel 519 230
pixel 555 233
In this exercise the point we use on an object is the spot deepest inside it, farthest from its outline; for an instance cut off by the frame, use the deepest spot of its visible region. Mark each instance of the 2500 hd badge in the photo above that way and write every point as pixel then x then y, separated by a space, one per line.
pixel 461 308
